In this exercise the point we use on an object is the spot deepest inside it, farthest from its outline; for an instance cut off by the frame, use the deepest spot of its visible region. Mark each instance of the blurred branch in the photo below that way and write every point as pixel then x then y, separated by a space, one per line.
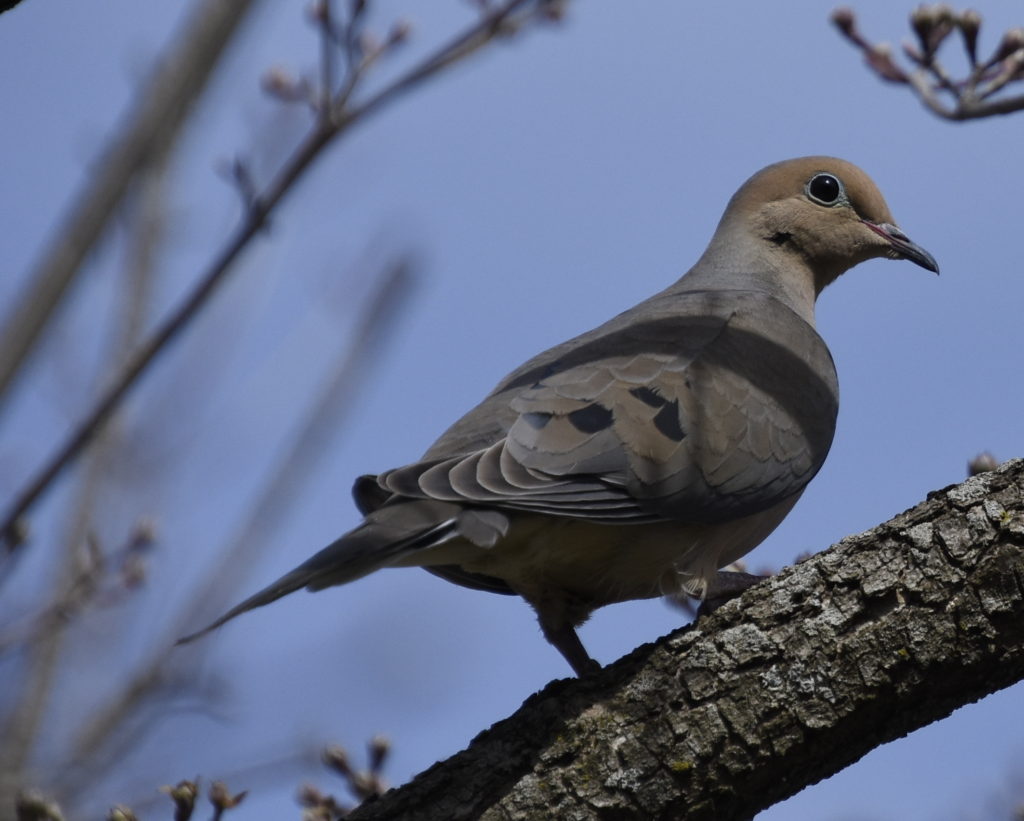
pixel 96 580
pixel 970 98
pixel 325 418
pixel 83 566
pixel 32 805
pixel 363 783
pixel 796 679
pixel 268 772
pixel 500 19
pixel 160 109
pixel 283 488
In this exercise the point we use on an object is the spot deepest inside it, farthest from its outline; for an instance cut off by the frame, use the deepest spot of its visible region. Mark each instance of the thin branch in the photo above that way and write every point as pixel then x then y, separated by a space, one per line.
pixel 85 588
pixel 161 107
pixel 494 22
pixel 969 98
pixel 81 567
pixel 965 109
pixel 926 93
pixel 267 509
pixel 268 772
pixel 323 9
pixel 326 416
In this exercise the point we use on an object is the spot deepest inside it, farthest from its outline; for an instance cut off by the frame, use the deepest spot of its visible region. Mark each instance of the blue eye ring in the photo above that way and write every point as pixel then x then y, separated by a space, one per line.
pixel 826 189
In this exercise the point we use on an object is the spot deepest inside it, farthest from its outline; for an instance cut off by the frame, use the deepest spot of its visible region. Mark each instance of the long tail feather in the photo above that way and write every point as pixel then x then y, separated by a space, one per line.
pixel 288 583
pixel 386 534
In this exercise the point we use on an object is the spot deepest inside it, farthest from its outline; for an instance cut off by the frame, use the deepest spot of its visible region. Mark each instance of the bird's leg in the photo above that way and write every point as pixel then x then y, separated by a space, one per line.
pixel 562 636
pixel 726 585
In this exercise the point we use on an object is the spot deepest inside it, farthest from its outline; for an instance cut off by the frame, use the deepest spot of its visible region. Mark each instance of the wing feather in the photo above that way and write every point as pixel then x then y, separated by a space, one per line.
pixel 723 410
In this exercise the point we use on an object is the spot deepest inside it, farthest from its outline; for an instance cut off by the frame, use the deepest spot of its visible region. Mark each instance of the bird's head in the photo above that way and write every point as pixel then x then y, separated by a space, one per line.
pixel 822 213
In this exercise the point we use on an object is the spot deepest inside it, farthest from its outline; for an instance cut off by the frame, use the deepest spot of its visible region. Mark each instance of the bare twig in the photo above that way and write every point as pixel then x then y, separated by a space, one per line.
pixel 323 10
pixel 81 568
pixel 367 783
pixel 502 19
pixel 363 784
pixel 266 511
pixel 96 581
pixel 32 805
pixel 160 109
pixel 271 771
pixel 109 729
pixel 325 417
pixel 223 800
pixel 184 795
pixel 968 99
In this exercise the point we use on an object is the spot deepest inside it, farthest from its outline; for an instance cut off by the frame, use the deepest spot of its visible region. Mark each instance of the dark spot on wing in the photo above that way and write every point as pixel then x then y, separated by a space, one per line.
pixel 548 370
pixel 769 366
pixel 591 419
pixel 368 494
pixel 649 396
pixel 536 420
pixel 667 422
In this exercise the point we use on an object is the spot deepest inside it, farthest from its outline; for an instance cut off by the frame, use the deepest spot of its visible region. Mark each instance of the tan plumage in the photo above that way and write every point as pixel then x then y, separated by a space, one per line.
pixel 639 458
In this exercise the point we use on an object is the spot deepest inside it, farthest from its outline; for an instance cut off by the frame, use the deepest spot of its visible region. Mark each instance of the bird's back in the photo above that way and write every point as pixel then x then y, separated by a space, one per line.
pixel 700 404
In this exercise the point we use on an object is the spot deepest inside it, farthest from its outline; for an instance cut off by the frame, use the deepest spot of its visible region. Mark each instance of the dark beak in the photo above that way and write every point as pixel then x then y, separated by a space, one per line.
pixel 903 247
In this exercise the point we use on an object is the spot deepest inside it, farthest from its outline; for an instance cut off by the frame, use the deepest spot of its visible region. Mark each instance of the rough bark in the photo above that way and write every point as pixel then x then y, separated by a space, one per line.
pixel 865 642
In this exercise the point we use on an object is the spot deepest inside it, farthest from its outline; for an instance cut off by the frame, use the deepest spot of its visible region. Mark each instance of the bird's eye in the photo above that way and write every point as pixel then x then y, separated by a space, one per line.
pixel 826 189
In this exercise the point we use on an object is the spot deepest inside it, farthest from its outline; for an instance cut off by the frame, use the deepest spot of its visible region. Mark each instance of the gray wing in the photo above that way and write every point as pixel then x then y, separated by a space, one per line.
pixel 715 406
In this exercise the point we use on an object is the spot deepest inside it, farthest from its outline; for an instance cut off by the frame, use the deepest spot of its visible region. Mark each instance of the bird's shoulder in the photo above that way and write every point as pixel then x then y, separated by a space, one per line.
pixel 661 338
pixel 699 407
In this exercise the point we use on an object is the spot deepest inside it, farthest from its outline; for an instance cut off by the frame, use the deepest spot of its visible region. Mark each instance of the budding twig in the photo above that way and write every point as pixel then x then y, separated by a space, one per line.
pixel 972 97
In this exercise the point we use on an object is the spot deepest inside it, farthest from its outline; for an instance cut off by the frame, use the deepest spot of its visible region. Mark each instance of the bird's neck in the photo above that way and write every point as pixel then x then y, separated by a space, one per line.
pixel 755 265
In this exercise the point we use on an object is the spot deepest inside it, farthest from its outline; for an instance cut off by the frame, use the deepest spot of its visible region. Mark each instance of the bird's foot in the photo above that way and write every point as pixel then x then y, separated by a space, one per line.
pixel 564 639
pixel 725 586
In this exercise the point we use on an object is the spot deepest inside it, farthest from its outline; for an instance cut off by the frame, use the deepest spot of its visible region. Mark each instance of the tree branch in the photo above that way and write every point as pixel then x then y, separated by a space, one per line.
pixel 969 98
pixel 160 109
pixel 878 636
pixel 502 19
pixel 95 744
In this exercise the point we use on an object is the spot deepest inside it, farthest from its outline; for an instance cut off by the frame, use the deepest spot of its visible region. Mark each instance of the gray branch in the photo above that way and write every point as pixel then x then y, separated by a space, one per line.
pixel 970 98
pixel 875 637
pixel 159 111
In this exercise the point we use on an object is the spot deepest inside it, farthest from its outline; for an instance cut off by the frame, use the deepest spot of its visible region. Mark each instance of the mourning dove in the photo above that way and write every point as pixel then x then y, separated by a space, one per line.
pixel 639 458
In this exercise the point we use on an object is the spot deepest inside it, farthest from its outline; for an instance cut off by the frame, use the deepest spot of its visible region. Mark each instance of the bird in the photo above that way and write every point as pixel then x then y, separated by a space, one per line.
pixel 640 458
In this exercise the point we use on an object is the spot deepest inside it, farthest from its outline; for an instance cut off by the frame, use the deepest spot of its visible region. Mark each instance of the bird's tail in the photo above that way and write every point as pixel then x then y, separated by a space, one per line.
pixel 386 535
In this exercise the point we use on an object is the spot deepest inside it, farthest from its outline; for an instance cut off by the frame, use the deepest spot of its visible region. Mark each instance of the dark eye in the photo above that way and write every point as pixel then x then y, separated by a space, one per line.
pixel 825 189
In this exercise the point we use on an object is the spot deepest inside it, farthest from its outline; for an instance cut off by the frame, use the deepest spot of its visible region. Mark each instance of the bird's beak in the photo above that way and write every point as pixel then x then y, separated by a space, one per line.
pixel 902 245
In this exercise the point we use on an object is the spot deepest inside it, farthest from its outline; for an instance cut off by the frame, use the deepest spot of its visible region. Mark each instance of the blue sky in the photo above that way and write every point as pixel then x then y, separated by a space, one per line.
pixel 541 188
